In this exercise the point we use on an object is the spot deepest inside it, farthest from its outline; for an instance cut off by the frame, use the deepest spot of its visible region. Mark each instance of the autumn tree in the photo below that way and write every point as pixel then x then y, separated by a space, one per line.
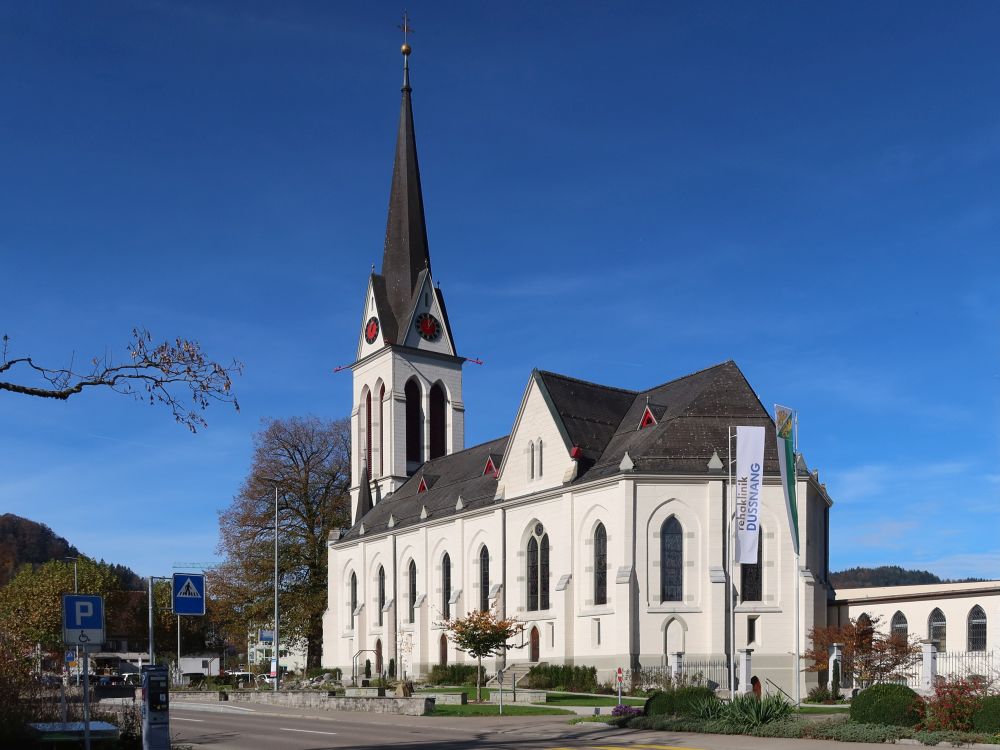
pixel 156 373
pixel 308 460
pixel 869 654
pixel 481 633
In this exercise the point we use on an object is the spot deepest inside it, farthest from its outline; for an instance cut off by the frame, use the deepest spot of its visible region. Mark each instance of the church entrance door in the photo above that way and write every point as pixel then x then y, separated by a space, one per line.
pixel 533 656
pixel 443 655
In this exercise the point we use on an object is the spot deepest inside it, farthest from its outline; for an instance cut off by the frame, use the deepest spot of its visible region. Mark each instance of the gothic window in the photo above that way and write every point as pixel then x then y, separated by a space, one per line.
pixel 381 592
pixel 752 575
pixel 977 629
pixel 671 561
pixel 354 597
pixel 538 569
pixel 484 579
pixel 899 628
pixel 414 426
pixel 368 434
pixel 937 630
pixel 600 565
pixel 412 575
pixel 446 586
pixel 539 456
pixel 381 431
pixel 531 460
pixel 438 418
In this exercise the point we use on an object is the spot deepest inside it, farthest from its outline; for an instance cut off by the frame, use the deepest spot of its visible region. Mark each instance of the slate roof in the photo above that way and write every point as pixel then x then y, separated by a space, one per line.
pixel 694 414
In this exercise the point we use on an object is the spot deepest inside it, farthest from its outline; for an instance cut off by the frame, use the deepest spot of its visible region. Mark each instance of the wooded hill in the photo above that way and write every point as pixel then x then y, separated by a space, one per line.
pixel 27 542
pixel 886 575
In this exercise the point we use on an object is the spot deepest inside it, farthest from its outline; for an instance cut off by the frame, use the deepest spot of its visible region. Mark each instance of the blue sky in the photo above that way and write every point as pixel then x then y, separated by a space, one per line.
pixel 603 183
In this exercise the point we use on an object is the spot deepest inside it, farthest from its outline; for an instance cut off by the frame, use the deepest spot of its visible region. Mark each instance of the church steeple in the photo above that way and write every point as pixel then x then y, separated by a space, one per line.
pixel 406 253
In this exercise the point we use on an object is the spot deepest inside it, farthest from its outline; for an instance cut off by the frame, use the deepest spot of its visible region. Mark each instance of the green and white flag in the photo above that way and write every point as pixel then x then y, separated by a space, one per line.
pixel 784 423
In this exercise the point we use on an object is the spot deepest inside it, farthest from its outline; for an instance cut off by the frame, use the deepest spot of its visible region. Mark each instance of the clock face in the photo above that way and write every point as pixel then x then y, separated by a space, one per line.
pixel 428 327
pixel 371 330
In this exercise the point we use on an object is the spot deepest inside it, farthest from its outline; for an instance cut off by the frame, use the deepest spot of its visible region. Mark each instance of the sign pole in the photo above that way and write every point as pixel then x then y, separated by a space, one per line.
pixel 178 650
pixel 621 679
pixel 86 699
pixel 151 657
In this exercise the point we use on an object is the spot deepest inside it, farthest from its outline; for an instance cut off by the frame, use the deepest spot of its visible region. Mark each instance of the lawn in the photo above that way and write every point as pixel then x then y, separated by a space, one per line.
pixel 834 709
pixel 492 709
pixel 572 699
pixel 470 690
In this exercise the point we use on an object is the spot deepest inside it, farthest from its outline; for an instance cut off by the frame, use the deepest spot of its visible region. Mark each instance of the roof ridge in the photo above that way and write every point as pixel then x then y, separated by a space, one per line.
pixel 690 375
pixel 587 382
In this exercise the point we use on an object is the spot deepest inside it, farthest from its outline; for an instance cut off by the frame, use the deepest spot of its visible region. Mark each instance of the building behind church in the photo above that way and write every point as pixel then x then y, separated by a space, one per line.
pixel 600 521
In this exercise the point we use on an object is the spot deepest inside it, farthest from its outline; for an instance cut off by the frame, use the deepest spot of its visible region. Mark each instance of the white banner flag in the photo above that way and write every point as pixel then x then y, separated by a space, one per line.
pixel 749 484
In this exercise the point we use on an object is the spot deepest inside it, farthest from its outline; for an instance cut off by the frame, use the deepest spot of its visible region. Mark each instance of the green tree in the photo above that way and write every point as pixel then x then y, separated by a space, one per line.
pixel 308 460
pixel 483 633
pixel 31 604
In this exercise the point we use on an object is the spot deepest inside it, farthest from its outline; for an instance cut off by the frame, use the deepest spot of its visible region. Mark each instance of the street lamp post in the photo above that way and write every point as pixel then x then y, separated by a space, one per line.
pixel 275 650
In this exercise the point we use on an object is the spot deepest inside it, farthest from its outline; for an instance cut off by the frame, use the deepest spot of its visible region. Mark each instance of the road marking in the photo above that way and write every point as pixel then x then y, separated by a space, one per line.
pixel 181 718
pixel 629 747
pixel 308 731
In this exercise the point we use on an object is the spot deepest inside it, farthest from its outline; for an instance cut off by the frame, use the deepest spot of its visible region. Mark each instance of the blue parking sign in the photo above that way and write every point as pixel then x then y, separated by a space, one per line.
pixel 189 593
pixel 83 620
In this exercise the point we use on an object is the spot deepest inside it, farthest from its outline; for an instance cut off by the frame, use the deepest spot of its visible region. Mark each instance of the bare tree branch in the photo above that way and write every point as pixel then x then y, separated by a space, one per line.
pixel 153 373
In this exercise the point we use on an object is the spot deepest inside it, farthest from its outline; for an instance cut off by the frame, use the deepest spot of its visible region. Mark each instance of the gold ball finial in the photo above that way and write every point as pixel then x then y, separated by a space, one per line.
pixel 405 49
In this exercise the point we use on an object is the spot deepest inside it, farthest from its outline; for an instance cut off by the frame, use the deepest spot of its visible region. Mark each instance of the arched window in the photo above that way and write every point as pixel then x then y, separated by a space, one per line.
pixel 438 421
pixel 531 460
pixel 381 592
pixel 671 561
pixel 354 597
pixel 600 565
pixel 752 574
pixel 538 569
pixel 368 433
pixel 937 630
pixel 412 575
pixel 539 456
pixel 899 628
pixel 484 579
pixel 414 427
pixel 381 431
pixel 446 586
pixel 977 629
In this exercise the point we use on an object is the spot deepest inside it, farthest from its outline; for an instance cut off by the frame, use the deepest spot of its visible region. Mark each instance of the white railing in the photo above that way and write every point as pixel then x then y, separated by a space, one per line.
pixel 969 664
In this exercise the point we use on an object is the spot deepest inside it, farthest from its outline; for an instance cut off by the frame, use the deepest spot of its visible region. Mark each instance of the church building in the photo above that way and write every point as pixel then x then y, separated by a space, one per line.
pixel 600 522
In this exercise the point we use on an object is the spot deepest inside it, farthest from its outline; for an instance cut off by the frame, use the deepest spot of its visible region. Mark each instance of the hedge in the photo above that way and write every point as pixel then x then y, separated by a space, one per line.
pixel 679 702
pixel 987 718
pixel 887 703
pixel 454 674
pixel 562 677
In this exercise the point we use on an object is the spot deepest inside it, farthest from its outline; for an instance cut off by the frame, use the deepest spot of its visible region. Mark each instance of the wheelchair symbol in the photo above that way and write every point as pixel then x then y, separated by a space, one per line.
pixel 84 638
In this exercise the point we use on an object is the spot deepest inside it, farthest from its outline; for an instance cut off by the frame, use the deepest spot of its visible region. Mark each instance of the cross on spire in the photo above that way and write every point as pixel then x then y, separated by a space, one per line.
pixel 405 27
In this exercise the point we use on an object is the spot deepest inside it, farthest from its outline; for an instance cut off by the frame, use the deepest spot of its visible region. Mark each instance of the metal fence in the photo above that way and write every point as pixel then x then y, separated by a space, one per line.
pixel 713 673
pixel 969 664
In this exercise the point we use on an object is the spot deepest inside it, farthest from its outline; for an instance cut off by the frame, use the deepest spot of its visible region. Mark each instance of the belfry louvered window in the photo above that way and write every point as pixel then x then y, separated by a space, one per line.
pixel 671 561
pixel 600 565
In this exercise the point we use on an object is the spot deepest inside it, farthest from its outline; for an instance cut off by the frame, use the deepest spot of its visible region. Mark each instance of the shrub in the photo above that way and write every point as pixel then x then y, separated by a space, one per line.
pixel 848 731
pixel 707 709
pixel 954 703
pixel 392 668
pixel 338 673
pixel 748 711
pixel 819 694
pixel 453 674
pixel 679 702
pixel 987 718
pixel 562 677
pixel 626 711
pixel 887 703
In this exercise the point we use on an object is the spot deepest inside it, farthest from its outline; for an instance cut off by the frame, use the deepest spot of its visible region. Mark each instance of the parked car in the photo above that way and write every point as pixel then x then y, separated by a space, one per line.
pixel 240 679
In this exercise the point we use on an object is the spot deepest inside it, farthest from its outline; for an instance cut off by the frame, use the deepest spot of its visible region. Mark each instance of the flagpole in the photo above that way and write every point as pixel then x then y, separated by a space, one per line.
pixel 794 473
pixel 730 585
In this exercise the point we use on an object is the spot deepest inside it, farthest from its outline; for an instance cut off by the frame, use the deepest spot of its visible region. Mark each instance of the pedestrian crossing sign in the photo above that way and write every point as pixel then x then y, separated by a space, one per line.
pixel 189 593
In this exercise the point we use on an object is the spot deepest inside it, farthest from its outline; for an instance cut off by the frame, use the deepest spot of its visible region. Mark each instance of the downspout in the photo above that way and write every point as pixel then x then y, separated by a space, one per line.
pixel 503 567
pixel 395 610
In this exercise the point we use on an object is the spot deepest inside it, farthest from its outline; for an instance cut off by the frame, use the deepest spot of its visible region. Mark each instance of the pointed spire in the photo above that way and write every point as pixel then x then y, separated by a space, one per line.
pixel 364 494
pixel 406 253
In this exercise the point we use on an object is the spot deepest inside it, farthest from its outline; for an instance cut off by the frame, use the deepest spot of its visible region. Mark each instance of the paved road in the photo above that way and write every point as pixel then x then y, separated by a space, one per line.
pixel 214 727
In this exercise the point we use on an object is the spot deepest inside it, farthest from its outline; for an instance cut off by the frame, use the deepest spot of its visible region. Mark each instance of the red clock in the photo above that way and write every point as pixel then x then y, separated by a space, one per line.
pixel 428 327
pixel 371 330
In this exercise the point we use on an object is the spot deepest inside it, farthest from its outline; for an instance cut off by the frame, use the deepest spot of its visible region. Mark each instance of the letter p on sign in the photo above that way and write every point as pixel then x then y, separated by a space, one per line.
pixel 84 610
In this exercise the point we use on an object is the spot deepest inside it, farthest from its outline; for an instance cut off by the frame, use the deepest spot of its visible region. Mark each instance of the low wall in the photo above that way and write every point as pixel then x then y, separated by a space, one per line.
pixel 446 699
pixel 322 699
pixel 521 696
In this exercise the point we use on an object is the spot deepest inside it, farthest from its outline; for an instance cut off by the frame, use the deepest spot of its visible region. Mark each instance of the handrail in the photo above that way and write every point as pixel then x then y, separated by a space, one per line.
pixel 778 688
